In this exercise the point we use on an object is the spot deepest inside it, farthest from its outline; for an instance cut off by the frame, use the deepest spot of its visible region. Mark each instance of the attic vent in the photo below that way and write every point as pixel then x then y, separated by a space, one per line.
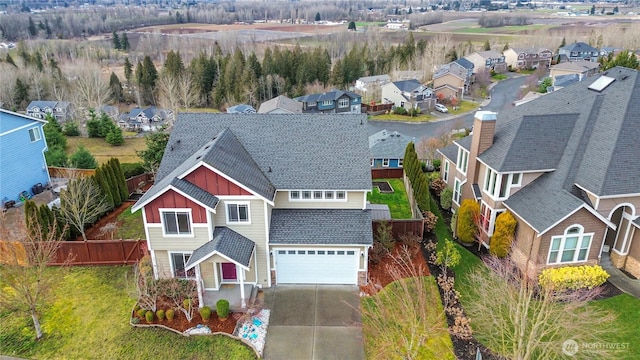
pixel 624 77
pixel 206 147
pixel 601 83
pixel 199 156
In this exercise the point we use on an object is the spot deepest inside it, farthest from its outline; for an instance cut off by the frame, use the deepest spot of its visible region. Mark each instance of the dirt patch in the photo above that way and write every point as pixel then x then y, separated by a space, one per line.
pixel 383 186
pixel 95 232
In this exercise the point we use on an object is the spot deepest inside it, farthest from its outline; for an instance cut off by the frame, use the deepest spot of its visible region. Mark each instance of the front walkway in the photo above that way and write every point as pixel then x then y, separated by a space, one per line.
pixel 230 292
pixel 313 322
pixel 618 278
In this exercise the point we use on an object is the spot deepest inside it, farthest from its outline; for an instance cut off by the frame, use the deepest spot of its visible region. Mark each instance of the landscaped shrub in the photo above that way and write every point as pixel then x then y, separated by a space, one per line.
pixel 384 235
pixel 438 185
pixel 430 221
pixel 436 164
pixel 135 320
pixel 205 313
pixel 400 111
pixel 572 277
pixel 222 309
pixel 377 252
pixel 149 316
pixel 503 235
pixel 466 224
pixel 132 169
pixel 170 314
pixel 160 314
pixel 446 198
pixel 141 313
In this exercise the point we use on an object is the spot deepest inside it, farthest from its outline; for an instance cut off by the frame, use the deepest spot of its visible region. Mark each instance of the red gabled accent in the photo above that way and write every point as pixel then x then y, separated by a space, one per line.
pixel 172 199
pixel 213 183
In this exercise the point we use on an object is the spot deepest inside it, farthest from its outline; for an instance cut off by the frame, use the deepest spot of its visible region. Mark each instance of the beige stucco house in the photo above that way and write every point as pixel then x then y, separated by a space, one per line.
pixel 528 58
pixel 567 166
pixel 450 81
pixel 254 200
pixel 486 61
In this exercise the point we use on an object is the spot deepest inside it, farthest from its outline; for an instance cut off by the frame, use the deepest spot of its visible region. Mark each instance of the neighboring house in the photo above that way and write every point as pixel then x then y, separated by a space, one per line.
pixel 409 94
pixel 259 200
pixel 581 68
pixel 450 81
pixel 149 119
pixel 61 110
pixel 371 86
pixel 241 109
pixel 112 111
pixel 399 75
pixel 395 26
pixel 22 147
pixel 561 81
pixel 468 65
pixel 331 102
pixel 528 58
pixel 605 51
pixel 387 149
pixel 280 105
pixel 566 165
pixel 487 61
pixel 579 51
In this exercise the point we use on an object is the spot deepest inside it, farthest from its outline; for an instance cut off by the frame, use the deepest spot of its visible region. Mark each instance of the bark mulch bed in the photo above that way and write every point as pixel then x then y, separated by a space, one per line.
pixel 379 277
pixel 95 231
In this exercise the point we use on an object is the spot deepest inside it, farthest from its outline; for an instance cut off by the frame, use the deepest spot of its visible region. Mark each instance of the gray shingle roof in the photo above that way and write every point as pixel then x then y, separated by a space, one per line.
pixel 280 102
pixel 452 68
pixel 267 152
pixel 388 145
pixel 321 227
pixel 225 242
pixel 329 95
pixel 379 211
pixel 577 66
pixel 578 47
pixel 450 152
pixel 600 152
pixel 465 63
pixel 195 192
pixel 407 85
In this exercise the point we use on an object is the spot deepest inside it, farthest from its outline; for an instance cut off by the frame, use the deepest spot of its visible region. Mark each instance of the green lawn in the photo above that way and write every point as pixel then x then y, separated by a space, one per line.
pixel 464 107
pixel 102 151
pixel 499 77
pixel 88 318
pixel 395 318
pixel 398 202
pixel 360 24
pixel 132 226
pixel 403 118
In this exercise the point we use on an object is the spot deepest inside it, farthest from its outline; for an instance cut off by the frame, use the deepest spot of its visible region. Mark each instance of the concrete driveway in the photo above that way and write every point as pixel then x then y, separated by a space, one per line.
pixel 313 322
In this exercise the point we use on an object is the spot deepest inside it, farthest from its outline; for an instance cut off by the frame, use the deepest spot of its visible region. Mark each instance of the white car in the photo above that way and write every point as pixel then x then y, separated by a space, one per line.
pixel 442 108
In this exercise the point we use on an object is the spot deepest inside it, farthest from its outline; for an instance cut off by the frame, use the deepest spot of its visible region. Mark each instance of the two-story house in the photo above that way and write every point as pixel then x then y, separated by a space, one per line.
pixel 579 51
pixel 409 94
pixel 487 61
pixel 22 147
pixel 450 81
pixel 371 86
pixel 61 110
pixel 331 102
pixel 566 166
pixel 528 58
pixel 387 149
pixel 258 200
pixel 582 69
pixel 149 119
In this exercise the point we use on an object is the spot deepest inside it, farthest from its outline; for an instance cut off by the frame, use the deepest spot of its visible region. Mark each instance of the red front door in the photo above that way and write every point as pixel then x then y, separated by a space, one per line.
pixel 229 271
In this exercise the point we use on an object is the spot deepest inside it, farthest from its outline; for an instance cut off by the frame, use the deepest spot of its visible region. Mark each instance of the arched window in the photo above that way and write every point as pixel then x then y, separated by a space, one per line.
pixel 573 246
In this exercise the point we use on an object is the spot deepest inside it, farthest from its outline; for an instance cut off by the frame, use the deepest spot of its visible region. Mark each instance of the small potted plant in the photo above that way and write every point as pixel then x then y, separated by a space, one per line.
pixel 222 309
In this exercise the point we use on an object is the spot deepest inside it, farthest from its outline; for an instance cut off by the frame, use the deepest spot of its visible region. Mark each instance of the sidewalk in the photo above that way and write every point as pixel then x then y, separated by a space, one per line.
pixel 619 279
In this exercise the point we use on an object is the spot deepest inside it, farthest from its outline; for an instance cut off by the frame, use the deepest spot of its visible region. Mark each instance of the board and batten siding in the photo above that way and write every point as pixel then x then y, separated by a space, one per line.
pixel 355 200
pixel 213 183
pixel 254 231
pixel 23 163
pixel 174 200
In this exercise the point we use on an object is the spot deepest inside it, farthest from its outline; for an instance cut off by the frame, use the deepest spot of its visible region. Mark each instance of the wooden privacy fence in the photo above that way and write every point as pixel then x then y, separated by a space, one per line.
pixel 386 173
pixel 138 182
pixel 402 227
pixel 101 252
pixel 61 172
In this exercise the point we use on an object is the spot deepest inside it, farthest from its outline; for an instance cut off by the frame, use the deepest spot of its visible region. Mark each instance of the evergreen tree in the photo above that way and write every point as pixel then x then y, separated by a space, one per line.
pixel 173 65
pixel 351 26
pixel 116 88
pixel 93 124
pixel 122 181
pixel 101 180
pixel 156 143
pixel 113 185
pixel 114 137
pixel 124 42
pixel 146 76
pixel 116 40
pixel 71 129
pixel 502 238
pixel 33 31
pixel 106 125
pixel 487 45
pixel 82 159
pixel 318 18
pixel 466 227
pixel 128 70
pixel 53 133
pixel 20 94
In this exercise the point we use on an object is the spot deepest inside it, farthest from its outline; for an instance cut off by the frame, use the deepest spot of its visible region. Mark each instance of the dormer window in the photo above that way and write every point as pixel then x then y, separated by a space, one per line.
pixel 463 160
pixel 498 185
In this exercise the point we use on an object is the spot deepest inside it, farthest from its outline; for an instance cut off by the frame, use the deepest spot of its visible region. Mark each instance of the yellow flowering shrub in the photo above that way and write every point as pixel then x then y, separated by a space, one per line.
pixel 573 277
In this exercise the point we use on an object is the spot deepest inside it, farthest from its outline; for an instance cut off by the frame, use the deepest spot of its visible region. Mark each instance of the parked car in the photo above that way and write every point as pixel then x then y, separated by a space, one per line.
pixel 442 108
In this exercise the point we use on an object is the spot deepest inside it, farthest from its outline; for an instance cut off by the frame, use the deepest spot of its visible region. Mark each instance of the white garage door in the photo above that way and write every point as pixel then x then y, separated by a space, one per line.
pixel 317 266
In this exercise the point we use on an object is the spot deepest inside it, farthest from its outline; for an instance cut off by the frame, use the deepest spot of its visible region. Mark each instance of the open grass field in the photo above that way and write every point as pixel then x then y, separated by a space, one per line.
pixel 398 202
pixel 102 151
pixel 178 29
pixel 88 318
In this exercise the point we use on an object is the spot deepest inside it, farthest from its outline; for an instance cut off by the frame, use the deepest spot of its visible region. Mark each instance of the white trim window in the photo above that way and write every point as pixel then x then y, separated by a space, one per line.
pixel 343 103
pixel 385 162
pixel 445 173
pixel 176 222
pixel 400 162
pixel 317 195
pixel 372 162
pixel 463 160
pixel 178 261
pixel 498 185
pixel 238 213
pixel 572 247
pixel 34 134
pixel 488 217
pixel 327 102
pixel 457 191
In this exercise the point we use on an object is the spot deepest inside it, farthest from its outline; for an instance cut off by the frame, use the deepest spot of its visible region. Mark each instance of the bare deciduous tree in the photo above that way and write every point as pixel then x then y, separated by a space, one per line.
pixel 168 94
pixel 91 87
pixel 187 92
pixel 24 278
pixel 183 295
pixel 518 319
pixel 82 203
pixel 147 287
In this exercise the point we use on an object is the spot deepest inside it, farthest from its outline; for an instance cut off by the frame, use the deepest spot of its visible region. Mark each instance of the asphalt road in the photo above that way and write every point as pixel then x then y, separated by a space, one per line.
pixel 502 96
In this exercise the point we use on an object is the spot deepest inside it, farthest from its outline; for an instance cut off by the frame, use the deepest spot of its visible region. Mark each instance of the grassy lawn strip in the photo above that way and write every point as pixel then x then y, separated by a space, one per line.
pixel 102 151
pixel 400 321
pixel 464 107
pixel 132 226
pixel 398 202
pixel 88 318
pixel 403 118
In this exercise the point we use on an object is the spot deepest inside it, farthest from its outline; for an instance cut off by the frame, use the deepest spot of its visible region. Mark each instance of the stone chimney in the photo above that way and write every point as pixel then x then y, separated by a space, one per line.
pixel 484 126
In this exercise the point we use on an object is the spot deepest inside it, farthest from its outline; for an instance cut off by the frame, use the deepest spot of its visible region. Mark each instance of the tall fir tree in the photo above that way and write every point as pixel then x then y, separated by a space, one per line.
pixel 128 69
pixel 124 42
pixel 113 185
pixel 115 39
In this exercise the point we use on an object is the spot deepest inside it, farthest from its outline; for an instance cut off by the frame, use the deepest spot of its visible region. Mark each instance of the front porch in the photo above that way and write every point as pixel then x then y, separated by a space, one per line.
pixel 230 292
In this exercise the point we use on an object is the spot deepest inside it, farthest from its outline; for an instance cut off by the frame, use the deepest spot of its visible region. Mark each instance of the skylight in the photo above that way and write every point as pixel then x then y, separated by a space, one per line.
pixel 601 83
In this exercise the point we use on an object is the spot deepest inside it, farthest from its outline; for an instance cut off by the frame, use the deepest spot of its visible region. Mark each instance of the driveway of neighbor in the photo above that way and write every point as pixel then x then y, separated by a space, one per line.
pixel 313 322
